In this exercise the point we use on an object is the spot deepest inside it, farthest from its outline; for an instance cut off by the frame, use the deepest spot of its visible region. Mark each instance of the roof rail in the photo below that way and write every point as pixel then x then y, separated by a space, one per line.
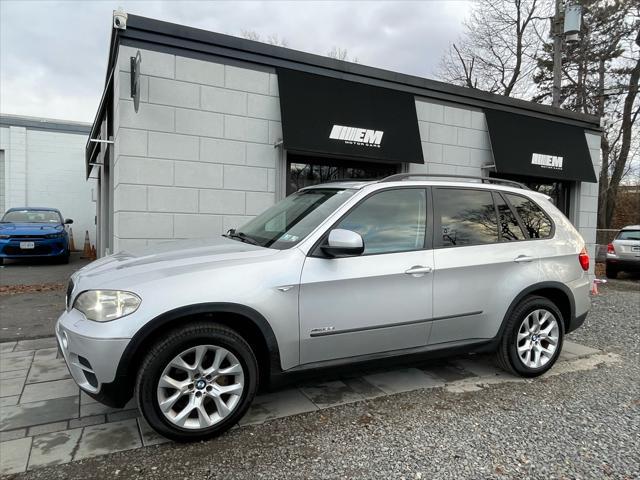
pixel 500 181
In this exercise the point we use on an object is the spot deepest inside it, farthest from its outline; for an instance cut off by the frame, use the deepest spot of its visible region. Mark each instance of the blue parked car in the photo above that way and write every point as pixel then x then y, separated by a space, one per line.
pixel 34 233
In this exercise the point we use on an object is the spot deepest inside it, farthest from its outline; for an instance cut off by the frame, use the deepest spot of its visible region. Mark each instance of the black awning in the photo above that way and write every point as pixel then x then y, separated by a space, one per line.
pixel 339 118
pixel 528 146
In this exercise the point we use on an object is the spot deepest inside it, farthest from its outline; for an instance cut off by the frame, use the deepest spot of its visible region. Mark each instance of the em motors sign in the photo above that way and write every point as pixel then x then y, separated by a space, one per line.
pixel 357 136
pixel 547 161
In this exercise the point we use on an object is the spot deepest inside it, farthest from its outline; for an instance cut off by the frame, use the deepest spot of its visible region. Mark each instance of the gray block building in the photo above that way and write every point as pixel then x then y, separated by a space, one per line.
pixel 197 132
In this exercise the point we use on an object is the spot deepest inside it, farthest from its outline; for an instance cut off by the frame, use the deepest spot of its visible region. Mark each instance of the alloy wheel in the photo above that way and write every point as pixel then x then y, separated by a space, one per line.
pixel 538 338
pixel 200 387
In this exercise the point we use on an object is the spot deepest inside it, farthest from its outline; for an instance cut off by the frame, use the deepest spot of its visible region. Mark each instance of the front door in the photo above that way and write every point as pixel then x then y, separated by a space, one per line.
pixel 376 302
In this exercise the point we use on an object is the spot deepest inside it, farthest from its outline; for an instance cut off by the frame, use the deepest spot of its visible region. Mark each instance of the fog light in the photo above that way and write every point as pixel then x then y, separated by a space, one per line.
pixel 64 340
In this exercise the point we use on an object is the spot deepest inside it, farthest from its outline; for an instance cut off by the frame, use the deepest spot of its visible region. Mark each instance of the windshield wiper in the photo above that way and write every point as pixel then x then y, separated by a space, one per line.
pixel 243 237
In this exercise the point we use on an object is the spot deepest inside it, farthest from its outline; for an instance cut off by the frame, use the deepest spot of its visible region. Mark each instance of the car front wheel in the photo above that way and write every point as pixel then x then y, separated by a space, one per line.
pixel 197 382
pixel 532 339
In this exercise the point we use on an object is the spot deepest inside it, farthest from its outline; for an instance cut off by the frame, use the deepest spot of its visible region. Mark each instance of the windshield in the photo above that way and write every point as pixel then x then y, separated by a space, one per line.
pixel 288 222
pixel 629 235
pixel 32 216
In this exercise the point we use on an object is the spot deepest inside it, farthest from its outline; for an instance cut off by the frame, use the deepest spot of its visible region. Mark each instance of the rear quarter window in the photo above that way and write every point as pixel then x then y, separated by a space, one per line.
pixel 535 221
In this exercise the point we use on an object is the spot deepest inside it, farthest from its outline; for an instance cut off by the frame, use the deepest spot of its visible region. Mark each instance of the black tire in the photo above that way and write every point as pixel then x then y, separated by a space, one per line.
pixel 507 357
pixel 64 259
pixel 172 344
pixel 611 272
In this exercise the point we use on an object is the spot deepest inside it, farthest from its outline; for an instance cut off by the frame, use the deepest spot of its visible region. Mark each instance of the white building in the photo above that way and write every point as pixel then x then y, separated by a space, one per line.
pixel 213 129
pixel 42 165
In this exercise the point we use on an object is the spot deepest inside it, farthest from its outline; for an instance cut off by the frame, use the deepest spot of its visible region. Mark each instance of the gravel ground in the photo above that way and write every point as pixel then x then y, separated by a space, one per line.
pixel 578 425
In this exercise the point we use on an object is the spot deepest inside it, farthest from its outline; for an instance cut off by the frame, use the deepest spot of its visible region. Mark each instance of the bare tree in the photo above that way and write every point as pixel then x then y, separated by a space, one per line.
pixel 341 54
pixel 600 76
pixel 497 51
pixel 272 39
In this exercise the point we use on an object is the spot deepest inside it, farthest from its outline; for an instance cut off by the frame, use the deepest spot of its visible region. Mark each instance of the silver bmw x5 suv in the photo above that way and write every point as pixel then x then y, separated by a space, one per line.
pixel 334 274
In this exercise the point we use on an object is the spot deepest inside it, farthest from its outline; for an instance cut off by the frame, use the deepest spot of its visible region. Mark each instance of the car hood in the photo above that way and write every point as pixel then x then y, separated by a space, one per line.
pixel 30 228
pixel 167 259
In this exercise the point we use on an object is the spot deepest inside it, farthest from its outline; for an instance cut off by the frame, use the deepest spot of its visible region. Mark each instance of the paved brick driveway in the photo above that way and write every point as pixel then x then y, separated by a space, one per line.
pixel 45 420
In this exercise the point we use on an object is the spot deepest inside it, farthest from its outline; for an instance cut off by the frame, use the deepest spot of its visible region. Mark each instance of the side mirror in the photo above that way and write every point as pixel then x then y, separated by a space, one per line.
pixel 68 221
pixel 343 243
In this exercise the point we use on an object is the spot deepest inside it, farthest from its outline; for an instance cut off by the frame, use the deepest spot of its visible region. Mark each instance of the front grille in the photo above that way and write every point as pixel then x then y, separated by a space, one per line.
pixel 37 250
pixel 69 292
pixel 26 237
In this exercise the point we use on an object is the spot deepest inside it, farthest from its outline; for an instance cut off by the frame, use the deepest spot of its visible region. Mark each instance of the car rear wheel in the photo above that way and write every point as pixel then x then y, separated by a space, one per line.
pixel 611 272
pixel 532 339
pixel 197 383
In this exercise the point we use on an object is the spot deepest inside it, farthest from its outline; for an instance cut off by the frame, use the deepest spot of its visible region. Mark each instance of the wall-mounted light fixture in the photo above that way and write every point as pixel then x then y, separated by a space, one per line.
pixel 135 80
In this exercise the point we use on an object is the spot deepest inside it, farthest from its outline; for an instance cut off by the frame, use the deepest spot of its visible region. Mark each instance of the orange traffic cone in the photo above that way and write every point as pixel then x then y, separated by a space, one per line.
pixel 86 251
pixel 93 252
pixel 72 244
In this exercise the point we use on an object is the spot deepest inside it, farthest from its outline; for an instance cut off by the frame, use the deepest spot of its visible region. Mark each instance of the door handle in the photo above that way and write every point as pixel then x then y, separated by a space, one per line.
pixel 523 259
pixel 418 270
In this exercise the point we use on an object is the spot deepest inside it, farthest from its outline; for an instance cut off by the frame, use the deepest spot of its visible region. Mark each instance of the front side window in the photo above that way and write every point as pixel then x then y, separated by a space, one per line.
pixel 390 221
pixel 534 220
pixel 289 221
pixel 467 217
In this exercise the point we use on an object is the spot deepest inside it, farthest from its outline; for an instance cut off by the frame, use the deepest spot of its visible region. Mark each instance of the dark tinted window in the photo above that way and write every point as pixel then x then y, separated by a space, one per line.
pixel 467 217
pixel 509 228
pixel 534 220
pixel 391 221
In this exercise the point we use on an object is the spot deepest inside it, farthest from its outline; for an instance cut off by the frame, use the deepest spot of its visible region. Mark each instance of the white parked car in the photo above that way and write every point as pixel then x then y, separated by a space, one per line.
pixel 334 274
pixel 623 253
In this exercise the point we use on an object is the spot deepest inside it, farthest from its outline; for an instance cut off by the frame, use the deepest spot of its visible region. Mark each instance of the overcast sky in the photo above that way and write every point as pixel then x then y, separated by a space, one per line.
pixel 53 54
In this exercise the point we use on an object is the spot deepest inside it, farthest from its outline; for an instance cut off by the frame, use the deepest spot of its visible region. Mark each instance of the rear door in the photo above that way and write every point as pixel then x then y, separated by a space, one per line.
pixel 482 260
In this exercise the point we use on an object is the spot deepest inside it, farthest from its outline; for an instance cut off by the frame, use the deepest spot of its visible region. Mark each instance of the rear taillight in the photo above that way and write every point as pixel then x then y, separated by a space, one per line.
pixel 610 249
pixel 583 258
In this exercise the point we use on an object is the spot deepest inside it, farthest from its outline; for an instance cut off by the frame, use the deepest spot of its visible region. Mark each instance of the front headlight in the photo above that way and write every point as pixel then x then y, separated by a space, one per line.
pixel 4 237
pixel 55 235
pixel 106 305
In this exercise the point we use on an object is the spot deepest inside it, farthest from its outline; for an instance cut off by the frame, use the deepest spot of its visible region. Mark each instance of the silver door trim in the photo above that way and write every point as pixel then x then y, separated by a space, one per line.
pixel 324 331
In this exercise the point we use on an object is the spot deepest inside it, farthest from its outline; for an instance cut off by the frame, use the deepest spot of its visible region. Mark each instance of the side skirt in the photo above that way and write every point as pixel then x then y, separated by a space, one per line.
pixel 341 366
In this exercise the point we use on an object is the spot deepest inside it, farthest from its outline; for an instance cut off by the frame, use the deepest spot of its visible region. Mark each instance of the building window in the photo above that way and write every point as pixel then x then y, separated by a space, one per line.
pixel 303 171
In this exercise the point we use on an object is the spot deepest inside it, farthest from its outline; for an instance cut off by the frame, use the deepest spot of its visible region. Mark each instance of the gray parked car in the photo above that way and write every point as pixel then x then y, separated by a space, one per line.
pixel 623 254
pixel 334 274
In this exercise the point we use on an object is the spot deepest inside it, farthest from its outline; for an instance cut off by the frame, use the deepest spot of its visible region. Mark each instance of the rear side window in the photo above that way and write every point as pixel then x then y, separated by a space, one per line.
pixel 509 227
pixel 536 223
pixel 629 235
pixel 467 217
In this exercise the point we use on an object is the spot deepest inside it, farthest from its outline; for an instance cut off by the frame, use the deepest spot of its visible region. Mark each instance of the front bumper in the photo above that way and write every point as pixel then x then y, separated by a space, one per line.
pixel 92 362
pixel 43 247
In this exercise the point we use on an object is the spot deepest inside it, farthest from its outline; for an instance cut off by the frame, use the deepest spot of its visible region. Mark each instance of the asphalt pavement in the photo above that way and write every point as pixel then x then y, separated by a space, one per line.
pixel 32 296
pixel 581 424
